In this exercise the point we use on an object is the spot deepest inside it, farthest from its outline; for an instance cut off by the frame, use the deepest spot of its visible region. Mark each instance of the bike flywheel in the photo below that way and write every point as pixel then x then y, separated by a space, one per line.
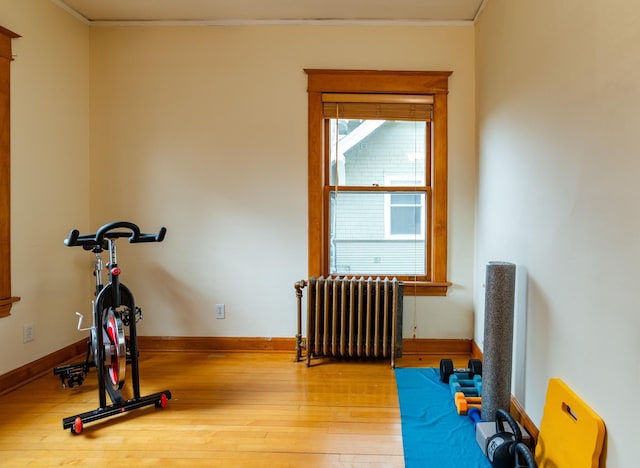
pixel 115 350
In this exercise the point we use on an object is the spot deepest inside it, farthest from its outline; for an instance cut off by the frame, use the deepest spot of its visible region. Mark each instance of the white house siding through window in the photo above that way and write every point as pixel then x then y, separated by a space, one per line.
pixel 377 232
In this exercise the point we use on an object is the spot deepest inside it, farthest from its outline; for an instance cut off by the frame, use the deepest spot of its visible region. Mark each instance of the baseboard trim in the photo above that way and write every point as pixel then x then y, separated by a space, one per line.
pixel 257 344
pixel 475 351
pixel 25 374
pixel 216 344
pixel 435 346
pixel 519 414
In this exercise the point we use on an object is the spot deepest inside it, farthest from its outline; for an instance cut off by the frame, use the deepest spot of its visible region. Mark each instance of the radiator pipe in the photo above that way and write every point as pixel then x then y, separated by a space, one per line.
pixel 299 286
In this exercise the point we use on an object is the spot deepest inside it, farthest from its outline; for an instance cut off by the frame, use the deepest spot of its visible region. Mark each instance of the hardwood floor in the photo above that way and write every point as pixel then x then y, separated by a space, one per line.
pixel 227 409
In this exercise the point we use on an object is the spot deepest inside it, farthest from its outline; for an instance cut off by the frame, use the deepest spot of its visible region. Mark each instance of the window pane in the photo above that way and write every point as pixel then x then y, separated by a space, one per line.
pixel 375 152
pixel 359 240
pixel 405 198
pixel 405 214
pixel 405 220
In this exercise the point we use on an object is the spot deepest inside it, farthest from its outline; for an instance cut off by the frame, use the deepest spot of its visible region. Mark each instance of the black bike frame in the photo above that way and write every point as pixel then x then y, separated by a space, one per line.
pixel 114 296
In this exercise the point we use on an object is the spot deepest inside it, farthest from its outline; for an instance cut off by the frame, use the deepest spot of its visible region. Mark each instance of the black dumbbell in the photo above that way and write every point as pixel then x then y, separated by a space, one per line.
pixel 447 369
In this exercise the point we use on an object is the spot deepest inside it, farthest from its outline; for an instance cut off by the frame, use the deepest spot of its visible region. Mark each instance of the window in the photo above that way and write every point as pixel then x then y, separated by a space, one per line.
pixel 404 213
pixel 378 176
pixel 5 150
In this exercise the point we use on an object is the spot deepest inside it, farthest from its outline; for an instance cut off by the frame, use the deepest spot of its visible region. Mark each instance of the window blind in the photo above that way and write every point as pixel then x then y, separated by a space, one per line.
pixel 377 106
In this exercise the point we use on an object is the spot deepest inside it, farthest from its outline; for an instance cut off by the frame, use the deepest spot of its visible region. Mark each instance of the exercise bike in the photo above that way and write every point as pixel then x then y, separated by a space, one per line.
pixel 73 375
pixel 109 349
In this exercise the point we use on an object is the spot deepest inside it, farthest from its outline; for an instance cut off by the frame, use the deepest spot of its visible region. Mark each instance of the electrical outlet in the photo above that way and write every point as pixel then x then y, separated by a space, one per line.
pixel 219 311
pixel 27 332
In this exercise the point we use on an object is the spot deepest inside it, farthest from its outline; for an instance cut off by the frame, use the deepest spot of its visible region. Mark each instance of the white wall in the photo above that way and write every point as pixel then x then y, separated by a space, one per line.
pixel 558 93
pixel 49 177
pixel 204 130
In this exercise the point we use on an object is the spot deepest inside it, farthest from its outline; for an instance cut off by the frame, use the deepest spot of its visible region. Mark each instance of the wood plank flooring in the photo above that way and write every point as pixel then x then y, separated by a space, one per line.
pixel 227 409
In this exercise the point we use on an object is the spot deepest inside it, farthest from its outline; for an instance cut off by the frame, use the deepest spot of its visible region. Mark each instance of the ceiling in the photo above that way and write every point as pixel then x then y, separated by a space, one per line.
pixel 109 12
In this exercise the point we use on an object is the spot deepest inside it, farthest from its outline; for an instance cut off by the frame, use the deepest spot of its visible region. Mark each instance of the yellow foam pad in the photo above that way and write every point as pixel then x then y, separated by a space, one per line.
pixel 571 433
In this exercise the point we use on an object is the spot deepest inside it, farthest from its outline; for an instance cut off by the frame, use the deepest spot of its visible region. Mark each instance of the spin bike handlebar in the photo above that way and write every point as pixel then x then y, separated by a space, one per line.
pixel 110 231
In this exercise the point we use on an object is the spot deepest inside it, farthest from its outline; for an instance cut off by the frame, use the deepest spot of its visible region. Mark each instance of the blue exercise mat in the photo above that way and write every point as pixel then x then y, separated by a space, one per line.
pixel 433 434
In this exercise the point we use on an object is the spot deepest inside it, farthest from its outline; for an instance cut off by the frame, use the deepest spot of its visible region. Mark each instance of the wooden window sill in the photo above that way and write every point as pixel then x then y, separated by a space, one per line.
pixel 425 288
pixel 5 306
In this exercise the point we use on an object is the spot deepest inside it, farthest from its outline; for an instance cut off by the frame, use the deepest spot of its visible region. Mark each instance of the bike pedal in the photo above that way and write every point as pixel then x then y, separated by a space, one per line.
pixel 73 378
pixel 76 382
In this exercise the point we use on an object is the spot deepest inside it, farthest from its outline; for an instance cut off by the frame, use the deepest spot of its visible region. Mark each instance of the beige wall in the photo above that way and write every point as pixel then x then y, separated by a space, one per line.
pixel 558 93
pixel 178 127
pixel 203 129
pixel 49 176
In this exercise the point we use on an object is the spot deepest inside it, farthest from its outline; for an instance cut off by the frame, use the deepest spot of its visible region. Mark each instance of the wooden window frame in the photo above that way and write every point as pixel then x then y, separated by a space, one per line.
pixel 433 83
pixel 6 300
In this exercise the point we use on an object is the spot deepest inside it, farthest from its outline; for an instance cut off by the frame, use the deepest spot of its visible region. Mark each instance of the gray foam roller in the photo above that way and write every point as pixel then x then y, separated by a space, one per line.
pixel 498 338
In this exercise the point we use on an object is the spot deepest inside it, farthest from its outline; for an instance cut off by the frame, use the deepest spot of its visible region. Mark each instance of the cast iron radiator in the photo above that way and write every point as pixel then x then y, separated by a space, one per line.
pixel 351 318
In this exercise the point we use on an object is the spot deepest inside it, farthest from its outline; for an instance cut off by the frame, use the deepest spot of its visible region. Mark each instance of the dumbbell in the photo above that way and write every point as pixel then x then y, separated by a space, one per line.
pixel 465 403
pixel 447 369
pixel 475 415
pixel 470 387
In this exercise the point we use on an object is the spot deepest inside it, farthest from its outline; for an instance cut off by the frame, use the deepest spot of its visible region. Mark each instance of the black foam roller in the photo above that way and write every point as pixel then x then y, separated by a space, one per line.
pixel 498 338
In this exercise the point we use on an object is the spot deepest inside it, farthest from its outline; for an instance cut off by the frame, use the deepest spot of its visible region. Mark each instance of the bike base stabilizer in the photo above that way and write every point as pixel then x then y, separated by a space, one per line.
pixel 76 423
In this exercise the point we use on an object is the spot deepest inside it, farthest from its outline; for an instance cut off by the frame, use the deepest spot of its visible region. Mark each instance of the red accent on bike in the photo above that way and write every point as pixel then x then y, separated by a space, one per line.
pixel 111 330
pixel 112 334
pixel 77 425
pixel 115 271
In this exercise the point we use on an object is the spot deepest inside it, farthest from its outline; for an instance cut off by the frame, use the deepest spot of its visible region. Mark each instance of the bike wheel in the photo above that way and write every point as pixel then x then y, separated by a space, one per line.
pixel 115 350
